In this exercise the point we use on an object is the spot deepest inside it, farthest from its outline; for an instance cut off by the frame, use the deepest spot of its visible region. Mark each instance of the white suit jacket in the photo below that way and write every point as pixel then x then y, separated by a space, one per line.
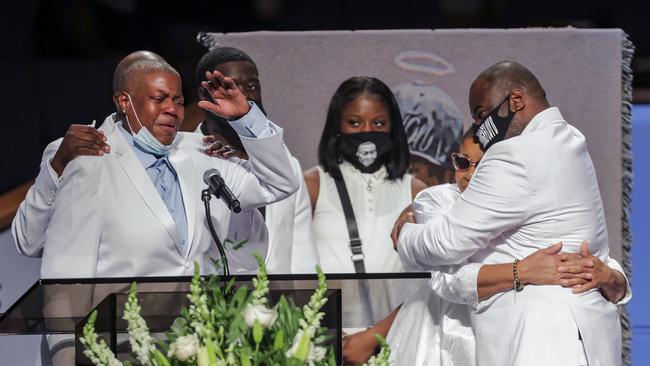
pixel 527 193
pixel 33 215
pixel 108 220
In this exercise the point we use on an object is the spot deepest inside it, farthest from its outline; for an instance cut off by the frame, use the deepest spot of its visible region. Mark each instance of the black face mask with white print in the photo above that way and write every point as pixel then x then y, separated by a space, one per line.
pixel 367 151
pixel 494 127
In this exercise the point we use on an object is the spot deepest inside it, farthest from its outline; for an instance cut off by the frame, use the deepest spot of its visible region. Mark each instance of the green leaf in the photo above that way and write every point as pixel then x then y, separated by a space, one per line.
pixel 240 295
pixel 212 356
pixel 202 358
pixel 163 345
pixel 159 359
pixel 303 348
pixel 278 342
pixel 245 361
pixel 258 332
pixel 240 244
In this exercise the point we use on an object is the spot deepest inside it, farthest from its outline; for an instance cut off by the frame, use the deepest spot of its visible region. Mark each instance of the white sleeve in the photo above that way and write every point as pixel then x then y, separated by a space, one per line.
pixel 496 200
pixel 251 126
pixel 304 255
pixel 268 176
pixel 33 215
pixel 72 238
pixel 434 201
pixel 457 284
pixel 613 264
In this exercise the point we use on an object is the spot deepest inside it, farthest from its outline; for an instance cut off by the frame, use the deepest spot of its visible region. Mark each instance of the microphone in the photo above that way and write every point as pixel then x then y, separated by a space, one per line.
pixel 219 189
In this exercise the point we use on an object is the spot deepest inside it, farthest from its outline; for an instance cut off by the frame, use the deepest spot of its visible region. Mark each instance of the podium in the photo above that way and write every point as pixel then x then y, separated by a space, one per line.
pixel 61 306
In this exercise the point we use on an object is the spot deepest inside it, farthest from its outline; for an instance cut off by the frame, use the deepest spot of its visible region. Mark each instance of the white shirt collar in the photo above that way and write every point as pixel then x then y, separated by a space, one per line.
pixel 543 118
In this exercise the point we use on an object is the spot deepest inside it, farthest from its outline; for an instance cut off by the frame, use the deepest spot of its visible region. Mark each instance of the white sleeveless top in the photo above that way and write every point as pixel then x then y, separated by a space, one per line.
pixel 377 202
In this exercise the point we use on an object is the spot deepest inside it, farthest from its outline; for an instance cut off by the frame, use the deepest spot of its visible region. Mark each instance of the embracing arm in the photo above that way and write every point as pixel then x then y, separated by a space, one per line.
pixel 580 271
pixel 33 216
pixel 607 276
pixel 496 200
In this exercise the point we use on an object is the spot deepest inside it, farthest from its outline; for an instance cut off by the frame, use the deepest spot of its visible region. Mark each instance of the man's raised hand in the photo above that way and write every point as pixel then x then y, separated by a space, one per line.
pixel 228 100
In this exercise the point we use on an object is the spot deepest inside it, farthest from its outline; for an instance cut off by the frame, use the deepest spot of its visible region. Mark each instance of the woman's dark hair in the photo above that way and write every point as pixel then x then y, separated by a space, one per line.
pixel 328 148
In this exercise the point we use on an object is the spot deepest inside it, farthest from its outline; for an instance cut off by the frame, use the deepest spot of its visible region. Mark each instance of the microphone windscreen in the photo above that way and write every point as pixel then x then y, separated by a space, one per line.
pixel 209 174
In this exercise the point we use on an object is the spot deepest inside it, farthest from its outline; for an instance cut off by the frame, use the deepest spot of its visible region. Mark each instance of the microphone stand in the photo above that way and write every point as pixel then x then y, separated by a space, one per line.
pixel 205 197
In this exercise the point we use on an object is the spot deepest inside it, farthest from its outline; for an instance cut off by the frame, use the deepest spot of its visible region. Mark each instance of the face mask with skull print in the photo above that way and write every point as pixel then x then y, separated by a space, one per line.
pixel 367 151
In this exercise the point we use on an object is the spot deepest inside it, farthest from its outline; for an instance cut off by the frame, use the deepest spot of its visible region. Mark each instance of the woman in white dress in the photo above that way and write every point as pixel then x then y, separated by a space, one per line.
pixel 364 144
pixel 433 326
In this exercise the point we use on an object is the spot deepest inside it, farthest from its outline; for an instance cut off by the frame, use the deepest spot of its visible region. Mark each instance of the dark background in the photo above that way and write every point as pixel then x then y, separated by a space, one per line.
pixel 58 56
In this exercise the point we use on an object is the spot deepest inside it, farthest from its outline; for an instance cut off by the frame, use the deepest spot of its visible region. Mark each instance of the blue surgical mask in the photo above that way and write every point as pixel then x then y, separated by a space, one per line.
pixel 144 139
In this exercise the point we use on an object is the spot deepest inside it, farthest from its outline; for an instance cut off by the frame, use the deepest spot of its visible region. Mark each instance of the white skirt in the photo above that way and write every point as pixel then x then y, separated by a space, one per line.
pixel 431 331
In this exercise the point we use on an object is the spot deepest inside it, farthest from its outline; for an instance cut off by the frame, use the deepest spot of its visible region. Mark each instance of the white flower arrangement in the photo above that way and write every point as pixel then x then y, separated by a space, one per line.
pixel 224 327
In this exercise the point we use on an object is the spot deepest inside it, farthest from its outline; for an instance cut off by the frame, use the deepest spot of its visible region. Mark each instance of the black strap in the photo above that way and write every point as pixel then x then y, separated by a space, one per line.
pixel 356 246
pixel 262 210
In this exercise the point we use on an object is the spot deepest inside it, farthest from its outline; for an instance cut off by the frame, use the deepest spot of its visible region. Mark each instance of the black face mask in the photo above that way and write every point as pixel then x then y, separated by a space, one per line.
pixel 367 151
pixel 494 127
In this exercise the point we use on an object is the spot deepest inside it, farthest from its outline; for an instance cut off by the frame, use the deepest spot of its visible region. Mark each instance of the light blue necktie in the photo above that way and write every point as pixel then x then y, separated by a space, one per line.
pixel 165 180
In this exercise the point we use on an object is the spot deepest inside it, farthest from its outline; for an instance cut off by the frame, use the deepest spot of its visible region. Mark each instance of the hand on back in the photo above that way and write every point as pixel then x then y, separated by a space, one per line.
pixel 79 140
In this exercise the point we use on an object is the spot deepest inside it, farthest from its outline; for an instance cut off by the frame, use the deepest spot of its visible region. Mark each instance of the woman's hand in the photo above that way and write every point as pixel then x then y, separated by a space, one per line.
pixel 612 284
pixel 359 347
pixel 543 268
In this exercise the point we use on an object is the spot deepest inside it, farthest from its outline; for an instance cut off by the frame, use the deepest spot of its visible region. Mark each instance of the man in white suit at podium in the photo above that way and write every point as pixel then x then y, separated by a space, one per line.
pixel 536 184
pixel 137 211
pixel 33 216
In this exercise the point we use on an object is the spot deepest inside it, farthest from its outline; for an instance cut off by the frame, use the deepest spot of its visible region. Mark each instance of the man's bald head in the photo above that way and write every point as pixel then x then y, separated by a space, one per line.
pixel 128 60
pixel 510 89
pixel 505 76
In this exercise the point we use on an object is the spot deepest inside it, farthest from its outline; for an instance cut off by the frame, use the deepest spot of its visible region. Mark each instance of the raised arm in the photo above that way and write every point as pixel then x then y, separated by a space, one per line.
pixel 273 176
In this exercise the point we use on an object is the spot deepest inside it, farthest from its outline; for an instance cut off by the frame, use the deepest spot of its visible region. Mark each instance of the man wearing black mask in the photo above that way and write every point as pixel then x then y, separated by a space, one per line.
pixel 291 249
pixel 535 184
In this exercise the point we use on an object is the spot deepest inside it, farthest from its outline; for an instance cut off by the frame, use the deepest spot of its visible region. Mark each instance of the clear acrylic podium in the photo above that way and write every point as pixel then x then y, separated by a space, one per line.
pixel 61 306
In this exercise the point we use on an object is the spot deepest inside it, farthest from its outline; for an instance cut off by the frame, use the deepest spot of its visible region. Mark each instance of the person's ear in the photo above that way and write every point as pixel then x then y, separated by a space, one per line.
pixel 122 101
pixel 517 100
pixel 116 102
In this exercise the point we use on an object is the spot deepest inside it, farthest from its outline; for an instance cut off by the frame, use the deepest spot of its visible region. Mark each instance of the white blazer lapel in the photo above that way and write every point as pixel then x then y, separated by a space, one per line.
pixel 142 183
pixel 188 176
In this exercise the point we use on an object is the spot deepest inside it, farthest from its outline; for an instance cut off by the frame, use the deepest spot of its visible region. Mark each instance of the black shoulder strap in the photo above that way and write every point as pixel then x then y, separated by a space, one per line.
pixel 356 247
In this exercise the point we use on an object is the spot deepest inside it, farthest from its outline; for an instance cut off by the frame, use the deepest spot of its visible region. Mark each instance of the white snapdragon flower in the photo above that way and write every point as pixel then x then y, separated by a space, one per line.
pixel 141 341
pixel 184 347
pixel 265 316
